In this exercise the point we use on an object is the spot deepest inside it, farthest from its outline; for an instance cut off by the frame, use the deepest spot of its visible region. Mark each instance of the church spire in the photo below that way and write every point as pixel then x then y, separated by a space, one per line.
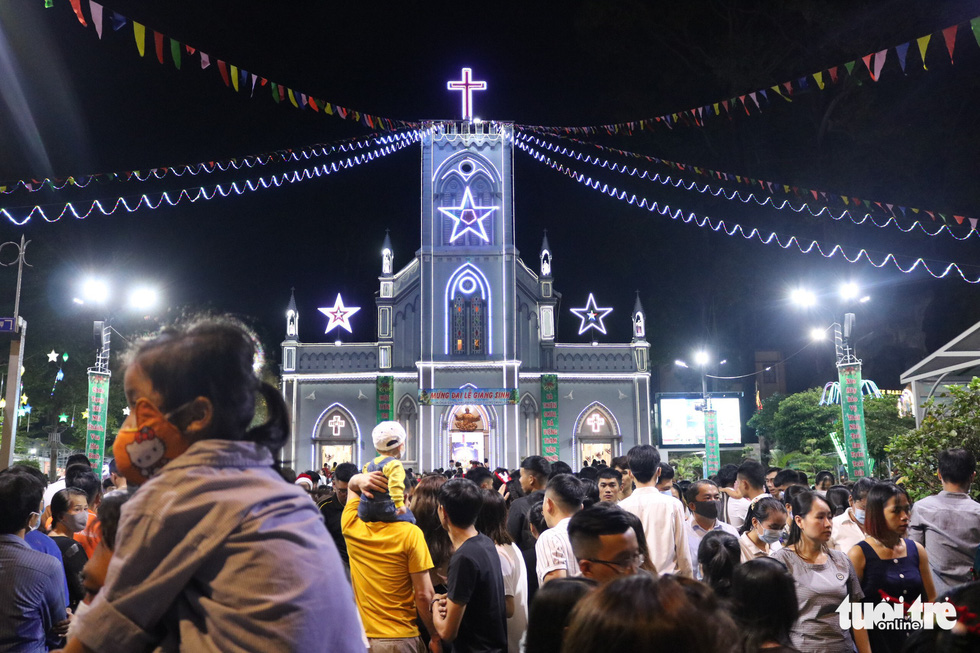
pixel 639 319
pixel 545 256
pixel 387 255
pixel 292 317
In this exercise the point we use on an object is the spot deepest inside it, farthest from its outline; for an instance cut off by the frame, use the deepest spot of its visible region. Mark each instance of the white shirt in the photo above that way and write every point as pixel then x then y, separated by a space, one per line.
pixel 52 490
pixel 750 550
pixel 554 551
pixel 695 534
pixel 515 584
pixel 845 532
pixel 737 510
pixel 663 524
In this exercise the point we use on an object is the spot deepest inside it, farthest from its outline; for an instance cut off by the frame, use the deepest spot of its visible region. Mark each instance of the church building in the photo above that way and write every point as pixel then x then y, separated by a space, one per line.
pixel 465 356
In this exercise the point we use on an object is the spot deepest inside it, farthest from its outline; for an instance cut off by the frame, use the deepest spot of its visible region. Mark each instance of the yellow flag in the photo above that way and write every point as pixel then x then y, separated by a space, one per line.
pixel 818 78
pixel 923 42
pixel 234 77
pixel 292 98
pixel 140 33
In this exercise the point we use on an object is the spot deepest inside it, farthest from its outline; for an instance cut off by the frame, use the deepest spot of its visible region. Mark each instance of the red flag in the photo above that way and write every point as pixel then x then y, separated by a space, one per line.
pixel 950 35
pixel 833 74
pixel 223 69
pixel 959 219
pixel 158 40
pixel 867 62
pixel 789 87
pixel 77 6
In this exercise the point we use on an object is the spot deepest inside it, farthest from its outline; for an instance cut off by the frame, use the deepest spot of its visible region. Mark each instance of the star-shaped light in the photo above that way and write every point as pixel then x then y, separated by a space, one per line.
pixel 52 356
pixel 63 418
pixel 468 217
pixel 126 411
pixel 23 400
pixel 591 316
pixel 85 414
pixel 339 315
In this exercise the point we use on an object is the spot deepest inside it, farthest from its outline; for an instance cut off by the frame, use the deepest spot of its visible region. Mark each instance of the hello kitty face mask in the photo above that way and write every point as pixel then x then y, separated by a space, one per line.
pixel 141 452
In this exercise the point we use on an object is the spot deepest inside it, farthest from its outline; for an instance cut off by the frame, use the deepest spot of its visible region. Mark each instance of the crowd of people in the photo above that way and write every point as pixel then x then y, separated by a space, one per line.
pixel 222 549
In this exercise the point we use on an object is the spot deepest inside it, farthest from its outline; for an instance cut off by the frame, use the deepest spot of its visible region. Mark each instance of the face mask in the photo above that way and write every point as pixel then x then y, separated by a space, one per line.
pixel 141 452
pixel 707 509
pixel 770 536
pixel 666 492
pixel 859 516
pixel 32 525
pixel 77 522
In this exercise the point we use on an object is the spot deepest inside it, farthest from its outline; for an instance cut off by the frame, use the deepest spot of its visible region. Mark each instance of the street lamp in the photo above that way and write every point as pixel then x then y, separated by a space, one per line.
pixel 712 451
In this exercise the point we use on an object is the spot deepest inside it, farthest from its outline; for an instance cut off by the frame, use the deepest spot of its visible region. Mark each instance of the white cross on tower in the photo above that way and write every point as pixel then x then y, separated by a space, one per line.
pixel 596 421
pixel 467 86
pixel 336 423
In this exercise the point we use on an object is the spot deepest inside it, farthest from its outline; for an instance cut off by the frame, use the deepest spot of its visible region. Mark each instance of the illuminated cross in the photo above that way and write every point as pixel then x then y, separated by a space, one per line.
pixel 336 423
pixel 596 421
pixel 466 86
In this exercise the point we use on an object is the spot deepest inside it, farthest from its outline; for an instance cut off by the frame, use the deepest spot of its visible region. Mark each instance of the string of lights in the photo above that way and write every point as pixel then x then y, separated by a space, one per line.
pixel 132 204
pixel 733 195
pixel 784 242
pixel 208 167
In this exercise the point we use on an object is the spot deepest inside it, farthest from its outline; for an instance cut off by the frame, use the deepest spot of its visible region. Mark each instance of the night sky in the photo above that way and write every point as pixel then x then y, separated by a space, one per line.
pixel 74 104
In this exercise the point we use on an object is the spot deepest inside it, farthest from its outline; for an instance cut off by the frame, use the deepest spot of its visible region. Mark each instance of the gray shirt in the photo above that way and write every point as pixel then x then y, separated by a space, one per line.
pixel 948 526
pixel 218 553
pixel 32 598
pixel 819 591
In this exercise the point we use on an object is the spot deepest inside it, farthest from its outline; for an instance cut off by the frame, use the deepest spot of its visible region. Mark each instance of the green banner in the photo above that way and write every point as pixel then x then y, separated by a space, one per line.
pixel 98 414
pixel 385 390
pixel 712 451
pixel 852 414
pixel 549 416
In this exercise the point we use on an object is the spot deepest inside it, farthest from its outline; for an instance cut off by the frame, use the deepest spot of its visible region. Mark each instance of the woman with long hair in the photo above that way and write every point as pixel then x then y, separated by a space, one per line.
pixel 824 579
pixel 424 505
pixel 718 556
pixel 764 625
pixel 551 612
pixel 492 522
pixel 890 566
pixel 214 551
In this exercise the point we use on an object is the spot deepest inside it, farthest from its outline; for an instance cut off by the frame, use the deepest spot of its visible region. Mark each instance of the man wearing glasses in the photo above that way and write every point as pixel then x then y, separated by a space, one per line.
pixel 604 542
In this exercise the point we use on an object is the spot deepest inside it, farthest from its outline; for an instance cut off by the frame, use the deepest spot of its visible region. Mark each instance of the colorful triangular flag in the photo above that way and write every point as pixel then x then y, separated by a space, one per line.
pixel 95 9
pixel 901 51
pixel 923 43
pixel 949 34
pixel 139 32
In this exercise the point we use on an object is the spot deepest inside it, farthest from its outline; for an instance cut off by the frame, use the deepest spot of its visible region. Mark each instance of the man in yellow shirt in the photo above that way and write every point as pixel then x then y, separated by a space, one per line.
pixel 389 569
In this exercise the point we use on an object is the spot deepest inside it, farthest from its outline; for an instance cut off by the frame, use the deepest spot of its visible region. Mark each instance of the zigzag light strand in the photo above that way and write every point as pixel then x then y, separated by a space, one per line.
pixel 130 205
pixel 784 242
pixel 745 198
pixel 209 167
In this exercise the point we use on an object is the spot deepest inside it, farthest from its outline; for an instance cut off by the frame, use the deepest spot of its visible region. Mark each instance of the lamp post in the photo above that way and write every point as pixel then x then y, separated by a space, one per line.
pixel 849 375
pixel 712 448
pixel 96 292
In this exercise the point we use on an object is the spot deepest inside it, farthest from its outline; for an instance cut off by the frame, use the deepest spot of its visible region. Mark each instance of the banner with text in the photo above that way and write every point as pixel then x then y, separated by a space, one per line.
pixel 385 390
pixel 98 414
pixel 852 414
pixel 549 416
pixel 453 396
pixel 712 450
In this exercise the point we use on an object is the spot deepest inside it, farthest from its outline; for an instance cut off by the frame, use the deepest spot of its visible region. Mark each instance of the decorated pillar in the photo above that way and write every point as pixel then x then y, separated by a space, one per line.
pixel 852 417
pixel 712 449
pixel 549 417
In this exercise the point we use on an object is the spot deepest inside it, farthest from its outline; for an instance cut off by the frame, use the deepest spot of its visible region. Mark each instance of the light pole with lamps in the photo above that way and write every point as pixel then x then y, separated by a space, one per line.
pixel 712 447
pixel 96 292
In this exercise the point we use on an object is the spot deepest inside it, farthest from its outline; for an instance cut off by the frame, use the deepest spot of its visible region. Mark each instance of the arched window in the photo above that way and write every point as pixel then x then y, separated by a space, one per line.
pixel 468 311
pixel 408 418
pixel 335 437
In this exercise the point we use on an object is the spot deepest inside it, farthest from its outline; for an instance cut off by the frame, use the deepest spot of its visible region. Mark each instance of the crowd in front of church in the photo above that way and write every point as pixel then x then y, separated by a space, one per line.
pixel 217 548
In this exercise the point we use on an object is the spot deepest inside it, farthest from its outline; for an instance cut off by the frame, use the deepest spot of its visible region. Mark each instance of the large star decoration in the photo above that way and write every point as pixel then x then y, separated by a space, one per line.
pixel 468 217
pixel 339 315
pixel 591 316
pixel 52 356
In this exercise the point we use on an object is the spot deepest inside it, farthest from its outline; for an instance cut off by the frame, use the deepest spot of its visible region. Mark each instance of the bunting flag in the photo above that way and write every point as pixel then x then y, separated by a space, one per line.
pixel 237 77
pixel 795 192
pixel 874 63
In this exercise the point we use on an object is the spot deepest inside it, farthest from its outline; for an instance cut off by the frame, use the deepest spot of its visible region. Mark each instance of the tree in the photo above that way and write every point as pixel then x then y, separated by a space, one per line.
pixel 800 417
pixel 951 421
pixel 882 424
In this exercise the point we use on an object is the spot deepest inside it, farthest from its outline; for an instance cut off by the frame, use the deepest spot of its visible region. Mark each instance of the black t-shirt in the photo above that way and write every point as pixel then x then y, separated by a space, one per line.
pixel 73 557
pixel 475 580
pixel 332 509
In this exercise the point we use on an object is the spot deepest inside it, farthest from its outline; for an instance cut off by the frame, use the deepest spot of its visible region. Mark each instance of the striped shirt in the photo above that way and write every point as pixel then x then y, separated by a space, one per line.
pixel 32 598
pixel 217 553
pixel 554 551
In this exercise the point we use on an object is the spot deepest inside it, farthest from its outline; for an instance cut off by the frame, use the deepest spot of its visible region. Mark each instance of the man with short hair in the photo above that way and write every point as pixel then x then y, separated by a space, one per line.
pixel 770 477
pixel 117 479
pixel 332 508
pixel 55 486
pixel 555 559
pixel 750 482
pixel 32 600
pixel 481 476
pixel 389 564
pixel 535 471
pixel 666 480
pixel 473 613
pixel 621 464
pixel 604 542
pixel 610 482
pixel 948 524
pixel 783 479
pixel 662 516
pixel 734 506
pixel 704 500
pixel 847 528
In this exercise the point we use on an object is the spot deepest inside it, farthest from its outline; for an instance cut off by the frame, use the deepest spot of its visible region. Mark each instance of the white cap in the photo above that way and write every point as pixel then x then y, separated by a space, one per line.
pixel 388 435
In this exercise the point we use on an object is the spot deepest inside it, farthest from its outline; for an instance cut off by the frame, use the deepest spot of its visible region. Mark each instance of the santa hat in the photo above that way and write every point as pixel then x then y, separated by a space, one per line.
pixel 305 481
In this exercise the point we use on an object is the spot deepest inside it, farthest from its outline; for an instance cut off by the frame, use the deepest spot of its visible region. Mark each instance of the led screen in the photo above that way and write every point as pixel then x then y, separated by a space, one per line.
pixel 682 423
